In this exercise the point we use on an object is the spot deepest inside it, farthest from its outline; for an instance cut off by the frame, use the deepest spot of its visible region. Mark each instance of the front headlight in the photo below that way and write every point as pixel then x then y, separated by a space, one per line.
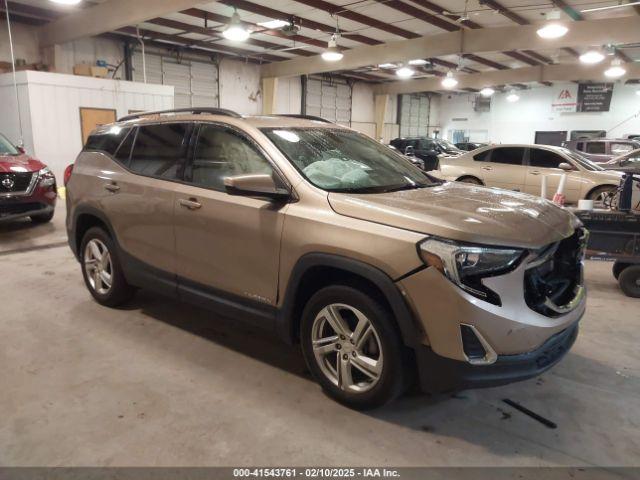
pixel 466 265
pixel 47 178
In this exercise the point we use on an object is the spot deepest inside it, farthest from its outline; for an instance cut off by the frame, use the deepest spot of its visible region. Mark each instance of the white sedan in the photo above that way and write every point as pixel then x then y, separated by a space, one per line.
pixel 522 168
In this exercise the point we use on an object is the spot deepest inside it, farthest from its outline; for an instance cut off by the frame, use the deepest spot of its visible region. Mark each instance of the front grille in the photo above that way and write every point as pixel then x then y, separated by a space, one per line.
pixel 555 274
pixel 15 182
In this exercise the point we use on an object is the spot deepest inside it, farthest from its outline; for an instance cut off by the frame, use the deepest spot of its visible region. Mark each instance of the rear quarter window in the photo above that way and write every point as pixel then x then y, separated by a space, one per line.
pixel 107 140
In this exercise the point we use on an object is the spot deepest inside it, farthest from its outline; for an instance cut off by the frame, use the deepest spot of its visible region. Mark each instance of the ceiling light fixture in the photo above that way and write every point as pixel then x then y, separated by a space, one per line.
pixel 332 53
pixel 616 69
pixel 449 81
pixel 487 91
pixel 610 7
pixel 387 65
pixel 66 2
pixel 235 31
pixel 592 57
pixel 418 61
pixel 405 72
pixel 513 96
pixel 553 28
pixel 273 24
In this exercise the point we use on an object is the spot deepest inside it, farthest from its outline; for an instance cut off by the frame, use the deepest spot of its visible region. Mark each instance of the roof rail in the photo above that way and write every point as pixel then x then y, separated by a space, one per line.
pixel 305 117
pixel 194 110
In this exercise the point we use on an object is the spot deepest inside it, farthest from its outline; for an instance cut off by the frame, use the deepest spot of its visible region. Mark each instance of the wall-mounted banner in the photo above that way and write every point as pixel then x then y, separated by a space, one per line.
pixel 594 97
pixel 565 98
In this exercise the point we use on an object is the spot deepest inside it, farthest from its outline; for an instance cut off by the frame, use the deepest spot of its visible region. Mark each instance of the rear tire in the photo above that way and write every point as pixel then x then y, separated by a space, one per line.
pixel 471 180
pixel 101 269
pixel 361 363
pixel 47 217
pixel 629 281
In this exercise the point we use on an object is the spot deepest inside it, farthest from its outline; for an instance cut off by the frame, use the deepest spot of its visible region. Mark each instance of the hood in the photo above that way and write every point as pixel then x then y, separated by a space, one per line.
pixel 464 212
pixel 19 163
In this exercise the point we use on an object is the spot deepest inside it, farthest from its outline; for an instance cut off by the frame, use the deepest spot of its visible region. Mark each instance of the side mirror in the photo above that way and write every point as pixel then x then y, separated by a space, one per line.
pixel 567 167
pixel 409 151
pixel 433 153
pixel 21 149
pixel 258 185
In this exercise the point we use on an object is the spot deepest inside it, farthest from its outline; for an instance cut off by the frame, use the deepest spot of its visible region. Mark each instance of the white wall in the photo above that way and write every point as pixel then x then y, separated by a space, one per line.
pixel 53 100
pixel 289 95
pixel 25 42
pixel 363 110
pixel 89 50
pixel 240 88
pixel 517 122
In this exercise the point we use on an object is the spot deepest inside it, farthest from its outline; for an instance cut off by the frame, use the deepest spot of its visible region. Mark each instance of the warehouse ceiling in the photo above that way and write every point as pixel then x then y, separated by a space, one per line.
pixel 289 29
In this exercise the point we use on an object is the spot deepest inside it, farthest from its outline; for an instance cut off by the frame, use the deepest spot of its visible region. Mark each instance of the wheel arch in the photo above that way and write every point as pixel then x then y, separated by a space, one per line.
pixel 316 270
pixel 597 187
pixel 462 177
pixel 84 219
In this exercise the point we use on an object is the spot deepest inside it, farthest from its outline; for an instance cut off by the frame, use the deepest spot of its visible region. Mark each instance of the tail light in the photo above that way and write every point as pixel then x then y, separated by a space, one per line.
pixel 67 174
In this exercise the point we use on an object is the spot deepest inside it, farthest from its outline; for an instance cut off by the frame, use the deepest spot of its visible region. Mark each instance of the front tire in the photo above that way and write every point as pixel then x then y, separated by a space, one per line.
pixel 101 269
pixel 353 348
pixel 603 196
pixel 629 281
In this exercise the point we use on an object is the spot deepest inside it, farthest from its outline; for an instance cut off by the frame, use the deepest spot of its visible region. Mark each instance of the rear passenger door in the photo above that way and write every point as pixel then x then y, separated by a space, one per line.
pixel 546 163
pixel 227 246
pixel 140 202
pixel 504 168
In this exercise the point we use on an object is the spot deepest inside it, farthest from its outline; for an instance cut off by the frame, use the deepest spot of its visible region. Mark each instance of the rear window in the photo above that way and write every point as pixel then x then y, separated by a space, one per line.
pixel 508 155
pixel 596 148
pixel 160 150
pixel 106 140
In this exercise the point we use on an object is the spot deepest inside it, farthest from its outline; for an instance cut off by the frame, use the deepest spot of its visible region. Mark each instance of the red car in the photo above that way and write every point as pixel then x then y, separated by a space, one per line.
pixel 27 186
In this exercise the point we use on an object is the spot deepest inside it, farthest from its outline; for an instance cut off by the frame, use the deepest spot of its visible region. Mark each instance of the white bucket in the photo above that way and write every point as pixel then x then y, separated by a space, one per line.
pixel 585 205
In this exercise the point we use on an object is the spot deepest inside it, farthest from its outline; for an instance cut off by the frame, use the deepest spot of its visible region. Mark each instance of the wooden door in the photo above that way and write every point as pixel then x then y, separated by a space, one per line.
pixel 90 118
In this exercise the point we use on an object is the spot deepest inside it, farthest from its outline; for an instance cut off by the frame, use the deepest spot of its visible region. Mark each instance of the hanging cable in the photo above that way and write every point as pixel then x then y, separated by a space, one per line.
pixel 144 59
pixel 13 65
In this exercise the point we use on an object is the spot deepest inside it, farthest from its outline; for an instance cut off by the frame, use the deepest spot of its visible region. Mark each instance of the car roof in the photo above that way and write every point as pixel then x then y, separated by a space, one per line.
pixel 521 145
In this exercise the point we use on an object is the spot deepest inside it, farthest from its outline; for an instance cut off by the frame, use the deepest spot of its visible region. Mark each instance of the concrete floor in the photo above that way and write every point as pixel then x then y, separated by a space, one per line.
pixel 165 384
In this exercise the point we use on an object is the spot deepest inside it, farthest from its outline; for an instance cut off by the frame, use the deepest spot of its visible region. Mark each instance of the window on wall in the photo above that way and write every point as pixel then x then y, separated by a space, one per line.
pixel 414 115
pixel 195 83
pixel 329 98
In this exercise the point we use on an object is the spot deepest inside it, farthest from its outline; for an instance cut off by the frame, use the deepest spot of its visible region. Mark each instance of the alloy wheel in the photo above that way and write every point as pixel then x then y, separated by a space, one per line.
pixel 347 348
pixel 98 266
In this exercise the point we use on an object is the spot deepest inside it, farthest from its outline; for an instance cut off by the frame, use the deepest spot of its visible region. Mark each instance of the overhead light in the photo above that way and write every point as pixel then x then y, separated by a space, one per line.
pixel 387 65
pixel 273 24
pixel 418 61
pixel 332 53
pixel 592 56
pixel 610 7
pixel 66 2
pixel 638 92
pixel 553 28
pixel 449 81
pixel 405 72
pixel 235 31
pixel 513 96
pixel 616 69
pixel 487 91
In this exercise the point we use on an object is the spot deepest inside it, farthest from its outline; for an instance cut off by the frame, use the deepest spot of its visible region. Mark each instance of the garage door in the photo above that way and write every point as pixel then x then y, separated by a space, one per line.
pixel 414 115
pixel 195 83
pixel 329 99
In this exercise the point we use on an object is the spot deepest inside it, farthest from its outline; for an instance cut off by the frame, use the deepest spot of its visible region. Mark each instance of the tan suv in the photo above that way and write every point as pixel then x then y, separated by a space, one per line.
pixel 384 274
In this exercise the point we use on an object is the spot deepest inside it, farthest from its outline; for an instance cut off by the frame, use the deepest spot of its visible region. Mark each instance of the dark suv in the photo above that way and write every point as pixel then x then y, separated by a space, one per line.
pixel 426 149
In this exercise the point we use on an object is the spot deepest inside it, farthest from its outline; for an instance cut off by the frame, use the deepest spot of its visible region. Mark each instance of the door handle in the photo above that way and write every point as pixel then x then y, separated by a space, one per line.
pixel 487 168
pixel 112 187
pixel 535 172
pixel 191 204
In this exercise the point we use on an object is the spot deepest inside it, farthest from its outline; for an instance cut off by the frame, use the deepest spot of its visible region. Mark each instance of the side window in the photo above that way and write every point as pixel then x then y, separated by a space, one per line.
pixel 621 148
pixel 221 153
pixel 106 140
pixel 580 146
pixel 596 147
pixel 508 155
pixel 544 158
pixel 482 156
pixel 123 154
pixel 160 150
